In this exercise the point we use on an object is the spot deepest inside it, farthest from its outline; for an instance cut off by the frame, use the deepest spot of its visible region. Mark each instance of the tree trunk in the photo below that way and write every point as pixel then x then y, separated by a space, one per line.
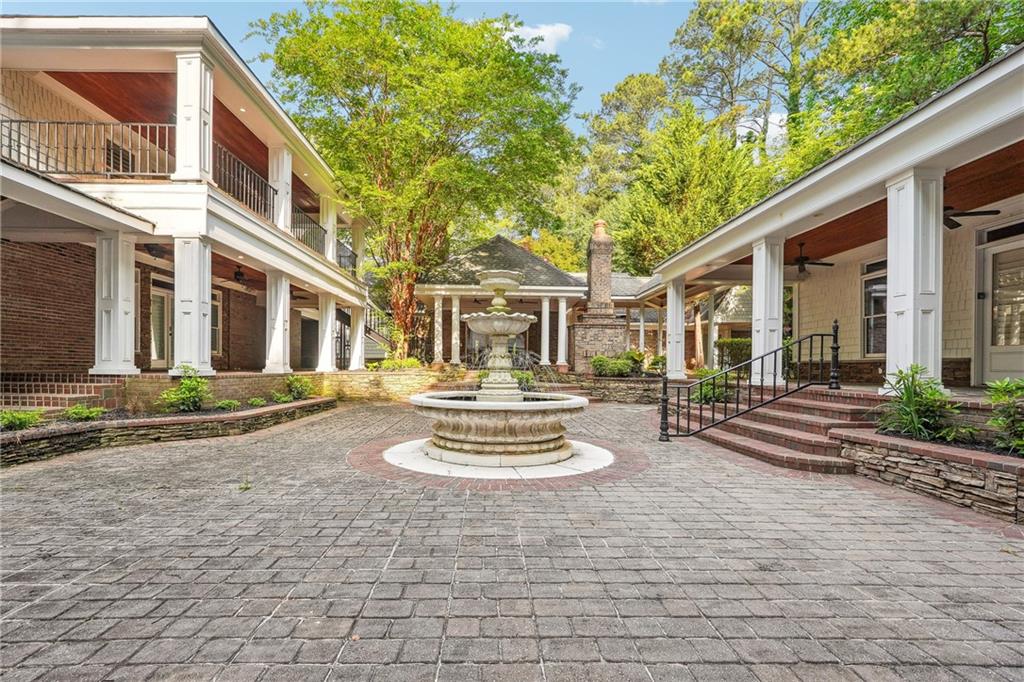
pixel 401 293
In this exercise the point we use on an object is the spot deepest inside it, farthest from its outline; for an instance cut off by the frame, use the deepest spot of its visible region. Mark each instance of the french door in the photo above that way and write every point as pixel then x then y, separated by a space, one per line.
pixel 160 316
pixel 1004 311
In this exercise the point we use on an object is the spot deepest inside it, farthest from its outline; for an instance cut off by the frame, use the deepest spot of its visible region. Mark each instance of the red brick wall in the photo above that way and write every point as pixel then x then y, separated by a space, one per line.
pixel 244 330
pixel 47 318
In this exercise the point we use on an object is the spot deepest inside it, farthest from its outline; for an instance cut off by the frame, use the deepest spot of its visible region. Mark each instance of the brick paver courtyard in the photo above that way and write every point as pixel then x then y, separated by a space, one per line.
pixel 269 557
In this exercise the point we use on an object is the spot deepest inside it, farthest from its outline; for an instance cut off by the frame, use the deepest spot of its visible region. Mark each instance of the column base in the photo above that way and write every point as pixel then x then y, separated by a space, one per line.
pixel 277 369
pixel 115 369
pixel 676 376
pixel 544 363
pixel 562 367
pixel 332 368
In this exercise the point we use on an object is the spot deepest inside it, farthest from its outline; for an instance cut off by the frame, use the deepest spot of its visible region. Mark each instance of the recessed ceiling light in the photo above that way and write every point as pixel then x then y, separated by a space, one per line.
pixel 305 175
pixel 242 109
pixel 241 257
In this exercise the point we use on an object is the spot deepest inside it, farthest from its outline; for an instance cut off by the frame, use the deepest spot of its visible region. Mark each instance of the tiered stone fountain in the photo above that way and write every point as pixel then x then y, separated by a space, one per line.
pixel 499 425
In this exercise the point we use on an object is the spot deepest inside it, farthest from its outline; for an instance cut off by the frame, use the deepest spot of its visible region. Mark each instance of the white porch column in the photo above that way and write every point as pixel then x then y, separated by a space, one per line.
pixel 358 230
pixel 456 332
pixel 280 177
pixel 643 329
pixel 278 345
pixel 675 349
pixel 545 330
pixel 711 353
pixel 563 334
pixel 115 304
pixel 661 331
pixel 193 133
pixel 914 293
pixel 329 221
pixel 328 314
pixel 766 313
pixel 438 330
pixel 192 281
pixel 357 360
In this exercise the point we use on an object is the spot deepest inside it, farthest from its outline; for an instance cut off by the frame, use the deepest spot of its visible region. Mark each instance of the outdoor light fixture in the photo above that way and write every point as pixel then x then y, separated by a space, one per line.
pixel 241 109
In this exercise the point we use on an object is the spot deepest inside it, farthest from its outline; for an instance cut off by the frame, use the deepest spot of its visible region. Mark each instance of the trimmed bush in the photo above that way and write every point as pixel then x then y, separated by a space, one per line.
pixel 1007 398
pixel 190 393
pixel 83 413
pixel 257 402
pixel 16 420
pixel 391 365
pixel 228 405
pixel 732 352
pixel 706 393
pixel 605 366
pixel 299 387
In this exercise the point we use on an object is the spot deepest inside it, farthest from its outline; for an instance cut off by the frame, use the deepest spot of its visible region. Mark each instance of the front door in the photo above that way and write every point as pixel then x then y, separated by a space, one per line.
pixel 1004 311
pixel 160 329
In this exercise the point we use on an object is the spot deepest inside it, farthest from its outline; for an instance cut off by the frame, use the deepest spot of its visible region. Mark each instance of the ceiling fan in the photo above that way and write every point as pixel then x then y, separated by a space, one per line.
pixel 239 275
pixel 948 215
pixel 801 262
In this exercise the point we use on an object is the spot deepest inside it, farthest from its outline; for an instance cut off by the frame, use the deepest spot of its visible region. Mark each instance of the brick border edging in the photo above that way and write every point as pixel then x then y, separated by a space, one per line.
pixel 19 447
pixel 368 458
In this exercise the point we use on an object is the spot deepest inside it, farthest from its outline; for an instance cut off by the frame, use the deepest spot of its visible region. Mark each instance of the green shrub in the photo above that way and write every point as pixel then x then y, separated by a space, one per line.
pixel 1007 398
pixel 706 393
pixel 732 352
pixel 280 397
pixel 83 413
pixel 657 363
pixel 257 402
pixel 228 405
pixel 920 408
pixel 635 359
pixel 524 378
pixel 604 366
pixel 190 393
pixel 299 387
pixel 16 420
pixel 392 365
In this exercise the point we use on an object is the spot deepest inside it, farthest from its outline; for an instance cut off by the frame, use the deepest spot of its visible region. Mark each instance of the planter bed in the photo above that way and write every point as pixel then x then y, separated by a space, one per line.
pixel 644 390
pixel 986 482
pixel 18 447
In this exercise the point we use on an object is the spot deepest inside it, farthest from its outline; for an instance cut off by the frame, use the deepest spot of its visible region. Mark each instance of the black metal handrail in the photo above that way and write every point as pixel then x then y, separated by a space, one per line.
pixel 109 149
pixel 786 377
pixel 344 256
pixel 243 183
pixel 307 230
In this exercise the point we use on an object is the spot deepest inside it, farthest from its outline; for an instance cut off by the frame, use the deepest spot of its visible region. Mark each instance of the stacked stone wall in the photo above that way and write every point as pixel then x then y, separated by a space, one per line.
pixel 366 385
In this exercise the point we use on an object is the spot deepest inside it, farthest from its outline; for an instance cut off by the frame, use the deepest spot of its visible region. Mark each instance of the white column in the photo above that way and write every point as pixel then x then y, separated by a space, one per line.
pixel 766 313
pixel 914 287
pixel 563 333
pixel 193 132
pixel 357 360
pixel 115 304
pixel 438 330
pixel 661 331
pixel 328 314
pixel 710 353
pixel 192 282
pixel 329 221
pixel 278 344
pixel 280 177
pixel 675 350
pixel 456 332
pixel 545 330
pixel 358 229
pixel 643 330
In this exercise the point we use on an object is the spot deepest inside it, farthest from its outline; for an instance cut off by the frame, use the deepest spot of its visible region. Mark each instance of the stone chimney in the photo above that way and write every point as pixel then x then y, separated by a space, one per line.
pixel 599 271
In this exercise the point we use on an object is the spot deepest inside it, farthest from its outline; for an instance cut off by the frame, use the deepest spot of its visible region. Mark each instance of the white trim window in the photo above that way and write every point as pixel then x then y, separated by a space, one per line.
pixel 873 324
pixel 216 322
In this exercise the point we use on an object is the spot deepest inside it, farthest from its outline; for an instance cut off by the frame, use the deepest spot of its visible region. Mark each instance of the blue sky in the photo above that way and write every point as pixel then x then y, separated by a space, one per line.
pixel 599 42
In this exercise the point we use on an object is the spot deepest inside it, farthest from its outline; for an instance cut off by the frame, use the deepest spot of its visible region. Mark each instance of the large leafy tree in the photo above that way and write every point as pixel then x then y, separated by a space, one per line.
pixel 426 120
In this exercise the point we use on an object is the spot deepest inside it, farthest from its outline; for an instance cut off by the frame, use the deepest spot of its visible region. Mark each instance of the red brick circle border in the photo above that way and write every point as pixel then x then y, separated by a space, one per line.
pixel 369 459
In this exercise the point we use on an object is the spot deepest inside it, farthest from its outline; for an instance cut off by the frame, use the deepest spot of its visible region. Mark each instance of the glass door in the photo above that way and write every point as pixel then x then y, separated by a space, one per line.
pixel 160 329
pixel 1004 311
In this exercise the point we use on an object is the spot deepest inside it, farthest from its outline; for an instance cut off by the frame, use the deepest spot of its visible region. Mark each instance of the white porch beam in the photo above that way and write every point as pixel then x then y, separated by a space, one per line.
pixel 115 304
pixel 456 332
pixel 675 350
pixel 438 330
pixel 766 300
pixel 193 134
pixel 192 284
pixel 563 334
pixel 280 172
pixel 357 335
pixel 278 346
pixel 914 293
pixel 545 330
pixel 327 344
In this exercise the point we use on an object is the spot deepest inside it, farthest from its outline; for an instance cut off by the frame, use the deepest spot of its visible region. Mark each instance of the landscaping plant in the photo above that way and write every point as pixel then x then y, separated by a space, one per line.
pixel 657 364
pixel 83 413
pixel 228 405
pixel 299 387
pixel 706 393
pixel 920 408
pixel 16 420
pixel 1007 398
pixel 257 402
pixel 190 393
pixel 394 364
pixel 278 397
pixel 605 366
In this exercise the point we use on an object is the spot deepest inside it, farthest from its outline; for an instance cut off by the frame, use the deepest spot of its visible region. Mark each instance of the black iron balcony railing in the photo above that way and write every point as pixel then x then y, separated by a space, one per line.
pixel 88 148
pixel 308 231
pixel 345 257
pixel 243 183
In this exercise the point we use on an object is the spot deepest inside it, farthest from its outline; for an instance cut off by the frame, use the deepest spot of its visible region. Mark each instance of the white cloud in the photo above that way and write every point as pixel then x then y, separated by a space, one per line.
pixel 550 35
pixel 597 43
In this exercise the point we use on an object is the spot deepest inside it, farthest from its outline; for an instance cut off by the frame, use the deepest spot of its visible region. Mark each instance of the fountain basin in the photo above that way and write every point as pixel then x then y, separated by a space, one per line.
pixel 527 432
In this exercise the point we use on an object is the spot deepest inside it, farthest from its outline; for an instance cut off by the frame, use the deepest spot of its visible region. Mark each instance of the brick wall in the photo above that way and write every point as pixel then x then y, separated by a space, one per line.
pixel 245 330
pixel 47 319
pixel 142 392
pixel 379 385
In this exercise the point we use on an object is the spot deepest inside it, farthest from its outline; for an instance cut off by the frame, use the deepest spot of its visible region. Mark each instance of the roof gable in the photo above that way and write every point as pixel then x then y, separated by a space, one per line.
pixel 499 253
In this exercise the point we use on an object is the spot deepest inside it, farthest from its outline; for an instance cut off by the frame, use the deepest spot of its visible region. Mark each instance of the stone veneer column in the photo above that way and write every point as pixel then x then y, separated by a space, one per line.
pixel 545 330
pixel 598 331
pixel 326 361
pixel 357 338
pixel 278 338
pixel 914 287
pixel 675 350
pixel 115 304
pixel 438 330
pixel 563 334
pixel 766 308
pixel 192 294
pixel 456 332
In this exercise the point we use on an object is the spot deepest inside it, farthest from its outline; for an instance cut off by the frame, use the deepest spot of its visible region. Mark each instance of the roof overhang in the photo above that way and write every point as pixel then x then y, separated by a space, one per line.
pixel 430 290
pixel 975 117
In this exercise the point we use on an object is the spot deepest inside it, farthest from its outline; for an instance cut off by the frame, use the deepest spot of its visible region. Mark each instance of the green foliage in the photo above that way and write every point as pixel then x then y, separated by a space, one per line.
pixel 658 364
pixel 604 366
pixel 732 352
pixel 299 387
pixel 920 408
pixel 559 250
pixel 393 365
pixel 708 393
pixel 257 402
pixel 84 413
pixel 16 420
pixel 524 378
pixel 279 397
pixel 636 360
pixel 426 119
pixel 228 405
pixel 190 393
pixel 1007 398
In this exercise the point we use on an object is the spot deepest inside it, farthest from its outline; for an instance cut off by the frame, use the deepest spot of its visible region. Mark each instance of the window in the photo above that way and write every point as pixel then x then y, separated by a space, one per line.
pixel 215 322
pixel 874 288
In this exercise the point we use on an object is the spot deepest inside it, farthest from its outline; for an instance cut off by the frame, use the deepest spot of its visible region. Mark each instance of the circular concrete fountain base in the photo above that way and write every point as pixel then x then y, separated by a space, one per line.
pixel 583 457
pixel 483 459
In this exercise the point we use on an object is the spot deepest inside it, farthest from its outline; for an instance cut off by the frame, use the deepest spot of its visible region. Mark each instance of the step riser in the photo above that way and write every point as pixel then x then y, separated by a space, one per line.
pixel 843 413
pixel 816 428
pixel 811 445
pixel 771 458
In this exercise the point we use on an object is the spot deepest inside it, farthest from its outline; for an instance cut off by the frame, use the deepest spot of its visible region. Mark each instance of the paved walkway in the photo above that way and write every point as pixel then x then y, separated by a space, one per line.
pixel 267 557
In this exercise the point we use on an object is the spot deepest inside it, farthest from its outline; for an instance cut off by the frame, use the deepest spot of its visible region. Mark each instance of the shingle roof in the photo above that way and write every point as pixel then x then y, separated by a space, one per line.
pixel 499 253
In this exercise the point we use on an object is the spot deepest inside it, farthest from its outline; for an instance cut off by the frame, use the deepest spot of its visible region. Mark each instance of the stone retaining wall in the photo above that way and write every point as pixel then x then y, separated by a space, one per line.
pixel 19 447
pixel 988 483
pixel 637 390
pixel 366 385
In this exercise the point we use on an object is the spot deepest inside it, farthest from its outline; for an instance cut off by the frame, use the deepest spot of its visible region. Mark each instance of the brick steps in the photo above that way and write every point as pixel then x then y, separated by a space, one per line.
pixel 825 408
pixel 777 455
pixel 790 436
pixel 807 422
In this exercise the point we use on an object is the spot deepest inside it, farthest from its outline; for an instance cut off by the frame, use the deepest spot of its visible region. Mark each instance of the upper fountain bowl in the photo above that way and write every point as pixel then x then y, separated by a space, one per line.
pixel 499 324
pixel 500 280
